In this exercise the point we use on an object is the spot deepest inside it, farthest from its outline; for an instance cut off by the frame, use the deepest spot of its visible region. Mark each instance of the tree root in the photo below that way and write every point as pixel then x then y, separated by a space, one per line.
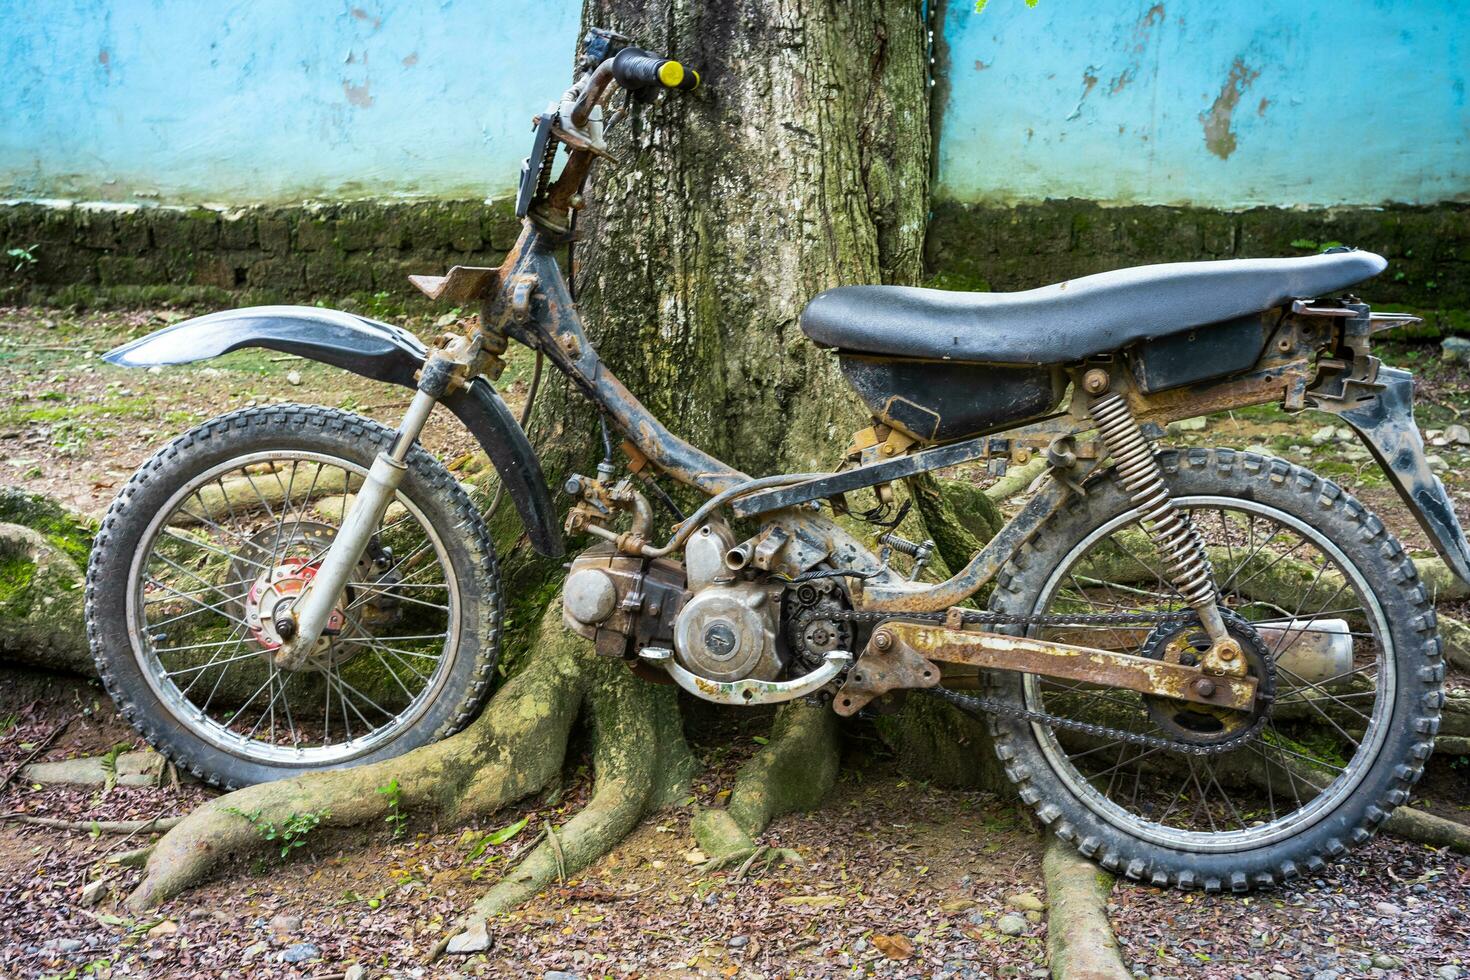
pixel 1080 944
pixel 792 772
pixel 128 769
pixel 516 747
pixel 1425 828
pixel 129 827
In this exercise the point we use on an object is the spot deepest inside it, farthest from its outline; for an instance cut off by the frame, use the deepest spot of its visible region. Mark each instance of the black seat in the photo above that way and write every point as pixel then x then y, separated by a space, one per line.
pixel 1075 319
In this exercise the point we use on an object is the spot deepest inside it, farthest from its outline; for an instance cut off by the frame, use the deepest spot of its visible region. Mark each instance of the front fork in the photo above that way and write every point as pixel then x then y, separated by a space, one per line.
pixel 302 626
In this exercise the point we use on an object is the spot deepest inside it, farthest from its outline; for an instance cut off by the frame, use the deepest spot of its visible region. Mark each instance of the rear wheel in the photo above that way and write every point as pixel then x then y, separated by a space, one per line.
pixel 220 531
pixel 1345 630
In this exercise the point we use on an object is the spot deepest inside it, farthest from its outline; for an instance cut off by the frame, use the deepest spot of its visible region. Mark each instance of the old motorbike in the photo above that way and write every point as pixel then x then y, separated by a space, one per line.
pixel 1205 667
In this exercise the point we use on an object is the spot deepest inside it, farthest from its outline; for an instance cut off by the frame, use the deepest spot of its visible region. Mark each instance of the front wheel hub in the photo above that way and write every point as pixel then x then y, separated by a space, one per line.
pixel 269 603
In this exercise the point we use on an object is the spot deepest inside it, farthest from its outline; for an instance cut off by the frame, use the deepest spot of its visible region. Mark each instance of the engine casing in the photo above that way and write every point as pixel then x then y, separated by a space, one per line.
pixel 728 632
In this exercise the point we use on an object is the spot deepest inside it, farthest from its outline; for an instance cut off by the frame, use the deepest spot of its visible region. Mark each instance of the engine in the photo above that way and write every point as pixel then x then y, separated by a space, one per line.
pixel 720 627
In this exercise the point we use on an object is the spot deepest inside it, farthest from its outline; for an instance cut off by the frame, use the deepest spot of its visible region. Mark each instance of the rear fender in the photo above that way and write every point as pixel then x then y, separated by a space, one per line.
pixel 374 350
pixel 1381 412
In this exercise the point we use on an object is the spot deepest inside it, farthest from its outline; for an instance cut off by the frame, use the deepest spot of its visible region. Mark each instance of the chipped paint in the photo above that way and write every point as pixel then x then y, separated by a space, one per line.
pixel 1018 132
pixel 1219 135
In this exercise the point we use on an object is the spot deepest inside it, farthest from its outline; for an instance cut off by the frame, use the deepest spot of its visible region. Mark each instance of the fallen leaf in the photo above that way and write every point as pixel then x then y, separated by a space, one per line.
pixel 897 947
pixel 821 901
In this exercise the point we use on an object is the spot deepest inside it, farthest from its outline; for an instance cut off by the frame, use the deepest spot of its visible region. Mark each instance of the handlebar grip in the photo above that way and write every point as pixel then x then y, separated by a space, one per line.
pixel 635 69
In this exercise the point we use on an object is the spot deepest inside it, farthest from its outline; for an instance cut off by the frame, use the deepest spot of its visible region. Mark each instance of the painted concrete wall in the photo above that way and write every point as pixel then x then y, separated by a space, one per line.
pixel 274 100
pixel 1223 103
pixel 1220 103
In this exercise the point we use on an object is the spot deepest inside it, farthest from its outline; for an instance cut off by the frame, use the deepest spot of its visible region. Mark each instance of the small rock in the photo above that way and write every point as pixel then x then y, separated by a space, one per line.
pixel 738 942
pixel 1198 424
pixel 1436 463
pixel 289 924
pixel 1260 448
pixel 696 856
pixel 1458 434
pixel 252 951
pixel 1033 917
pixel 1382 961
pixel 560 975
pixel 1455 350
pixel 156 369
pixel 165 928
pixel 355 972
pixel 1326 975
pixel 93 892
pixel 1323 435
pixel 300 953
pixel 1026 902
pixel 1448 972
pixel 293 377
pixel 474 939
pixel 1010 924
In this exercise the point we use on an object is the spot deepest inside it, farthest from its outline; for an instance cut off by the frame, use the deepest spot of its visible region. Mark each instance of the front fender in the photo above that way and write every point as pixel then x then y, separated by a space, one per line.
pixel 374 350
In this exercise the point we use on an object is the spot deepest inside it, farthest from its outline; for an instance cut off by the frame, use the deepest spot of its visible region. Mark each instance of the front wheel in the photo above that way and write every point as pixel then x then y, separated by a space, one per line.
pixel 220 531
pixel 1345 629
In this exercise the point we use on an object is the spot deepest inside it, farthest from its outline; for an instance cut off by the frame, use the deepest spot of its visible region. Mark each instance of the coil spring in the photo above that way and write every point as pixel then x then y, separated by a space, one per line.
pixel 1175 537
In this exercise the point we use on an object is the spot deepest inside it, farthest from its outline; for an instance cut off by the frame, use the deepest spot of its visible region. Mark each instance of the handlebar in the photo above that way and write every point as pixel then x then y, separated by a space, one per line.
pixel 635 69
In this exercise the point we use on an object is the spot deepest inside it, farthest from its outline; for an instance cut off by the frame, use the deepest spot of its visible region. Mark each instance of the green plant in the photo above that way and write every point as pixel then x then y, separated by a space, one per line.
pixel 290 834
pixel 980 5
pixel 109 765
pixel 23 256
pixel 396 818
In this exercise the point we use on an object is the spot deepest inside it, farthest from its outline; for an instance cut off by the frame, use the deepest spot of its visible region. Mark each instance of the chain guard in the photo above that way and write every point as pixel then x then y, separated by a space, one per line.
pixel 977 706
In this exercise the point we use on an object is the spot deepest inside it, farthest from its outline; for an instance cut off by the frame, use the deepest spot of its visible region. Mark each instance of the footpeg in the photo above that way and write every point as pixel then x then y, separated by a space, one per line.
pixel 744 692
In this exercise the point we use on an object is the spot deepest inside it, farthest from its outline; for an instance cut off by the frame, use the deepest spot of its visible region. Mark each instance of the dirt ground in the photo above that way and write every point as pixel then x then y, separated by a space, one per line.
pixel 884 857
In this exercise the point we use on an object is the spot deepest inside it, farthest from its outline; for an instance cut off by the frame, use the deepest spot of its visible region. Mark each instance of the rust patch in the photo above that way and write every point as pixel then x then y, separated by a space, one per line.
pixel 358 95
pixel 1261 109
pixel 1089 82
pixel 1219 134
pixel 980 65
pixel 411 60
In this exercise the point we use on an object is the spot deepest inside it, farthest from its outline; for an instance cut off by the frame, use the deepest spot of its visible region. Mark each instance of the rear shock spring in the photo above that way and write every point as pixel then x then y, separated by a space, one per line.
pixel 1142 477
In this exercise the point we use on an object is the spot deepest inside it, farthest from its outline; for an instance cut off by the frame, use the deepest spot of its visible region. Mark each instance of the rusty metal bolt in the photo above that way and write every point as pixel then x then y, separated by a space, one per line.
pixel 882 640
pixel 1229 651
pixel 1204 687
pixel 1096 381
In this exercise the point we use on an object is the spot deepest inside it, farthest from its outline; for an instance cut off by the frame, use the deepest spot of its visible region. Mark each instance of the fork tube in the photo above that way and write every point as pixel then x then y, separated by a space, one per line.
pixel 314 609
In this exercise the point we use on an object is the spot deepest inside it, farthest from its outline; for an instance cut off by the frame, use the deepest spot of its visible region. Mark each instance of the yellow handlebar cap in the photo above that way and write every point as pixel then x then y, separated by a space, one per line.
pixel 671 74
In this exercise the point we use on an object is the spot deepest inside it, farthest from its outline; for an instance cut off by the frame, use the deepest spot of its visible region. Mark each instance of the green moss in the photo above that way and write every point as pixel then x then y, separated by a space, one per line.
pixel 16 576
pixel 67 532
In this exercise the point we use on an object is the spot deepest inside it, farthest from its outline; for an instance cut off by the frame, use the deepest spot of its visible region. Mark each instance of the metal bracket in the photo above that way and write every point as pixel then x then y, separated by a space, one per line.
pixel 879 671
pixel 748 691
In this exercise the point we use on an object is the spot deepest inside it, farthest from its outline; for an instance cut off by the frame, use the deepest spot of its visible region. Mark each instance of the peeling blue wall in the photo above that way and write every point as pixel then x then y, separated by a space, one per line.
pixel 1207 102
pixel 274 100
pixel 1223 103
